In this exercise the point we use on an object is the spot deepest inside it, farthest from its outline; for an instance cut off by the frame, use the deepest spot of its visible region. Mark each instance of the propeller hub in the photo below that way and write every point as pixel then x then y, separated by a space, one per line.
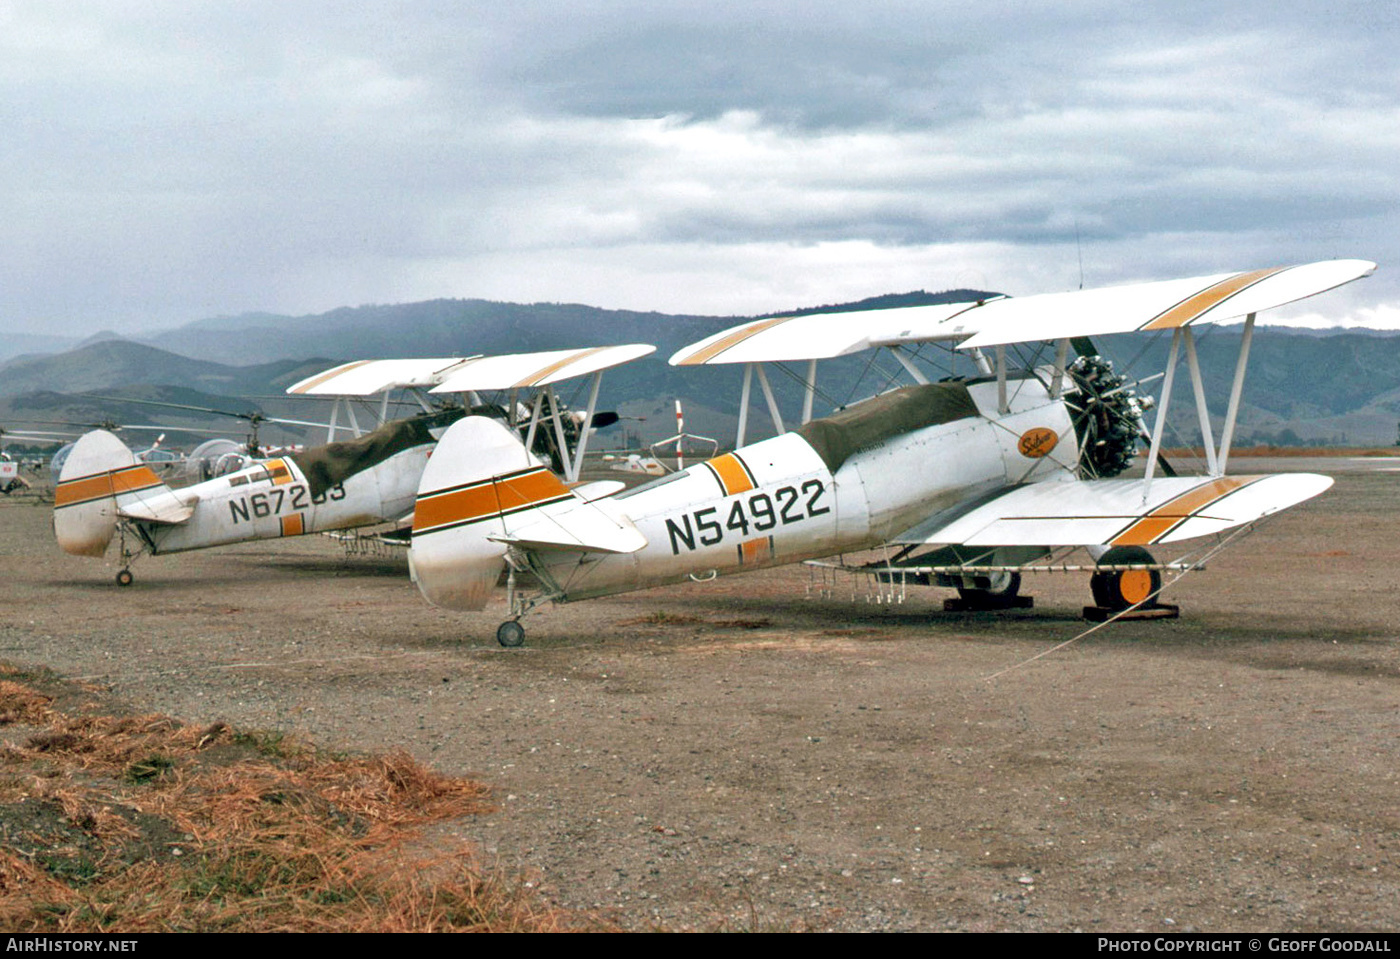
pixel 1107 417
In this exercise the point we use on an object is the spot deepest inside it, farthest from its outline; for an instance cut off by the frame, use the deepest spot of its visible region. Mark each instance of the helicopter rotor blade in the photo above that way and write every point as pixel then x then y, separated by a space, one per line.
pixel 253 417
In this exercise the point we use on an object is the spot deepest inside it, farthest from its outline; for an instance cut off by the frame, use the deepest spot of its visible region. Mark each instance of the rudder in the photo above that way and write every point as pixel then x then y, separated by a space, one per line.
pixel 99 472
pixel 479 473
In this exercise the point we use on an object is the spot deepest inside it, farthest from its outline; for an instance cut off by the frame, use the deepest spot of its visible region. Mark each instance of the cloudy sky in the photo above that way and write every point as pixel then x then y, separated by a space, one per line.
pixel 167 161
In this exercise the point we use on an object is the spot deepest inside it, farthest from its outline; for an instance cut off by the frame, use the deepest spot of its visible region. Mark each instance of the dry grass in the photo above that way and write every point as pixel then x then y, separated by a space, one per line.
pixel 143 824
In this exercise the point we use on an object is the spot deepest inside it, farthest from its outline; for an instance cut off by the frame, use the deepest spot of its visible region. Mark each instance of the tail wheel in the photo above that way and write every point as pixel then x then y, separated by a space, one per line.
pixel 124 578
pixel 999 587
pixel 510 634
pixel 1121 589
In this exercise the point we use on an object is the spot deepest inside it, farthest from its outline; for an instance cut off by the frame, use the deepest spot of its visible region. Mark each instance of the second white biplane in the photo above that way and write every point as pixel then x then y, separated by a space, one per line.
pixel 104 492
pixel 984 474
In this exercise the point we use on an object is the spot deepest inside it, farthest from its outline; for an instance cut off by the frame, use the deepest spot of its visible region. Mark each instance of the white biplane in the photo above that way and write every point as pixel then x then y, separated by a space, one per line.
pixel 984 474
pixel 103 491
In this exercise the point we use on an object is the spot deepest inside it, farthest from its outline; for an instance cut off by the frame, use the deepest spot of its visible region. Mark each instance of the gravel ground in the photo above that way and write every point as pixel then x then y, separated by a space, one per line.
pixel 743 754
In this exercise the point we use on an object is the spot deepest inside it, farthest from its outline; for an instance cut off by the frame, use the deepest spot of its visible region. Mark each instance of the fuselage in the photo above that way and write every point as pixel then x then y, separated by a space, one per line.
pixel 804 494
pixel 274 498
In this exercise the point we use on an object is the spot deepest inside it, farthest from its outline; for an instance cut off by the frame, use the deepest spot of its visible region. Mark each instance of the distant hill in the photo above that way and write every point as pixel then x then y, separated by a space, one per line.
pixel 111 364
pixel 1304 385
pixel 432 328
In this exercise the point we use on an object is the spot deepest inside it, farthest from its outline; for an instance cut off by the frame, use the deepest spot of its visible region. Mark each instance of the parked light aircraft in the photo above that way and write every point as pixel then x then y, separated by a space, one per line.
pixel 987 474
pixel 103 491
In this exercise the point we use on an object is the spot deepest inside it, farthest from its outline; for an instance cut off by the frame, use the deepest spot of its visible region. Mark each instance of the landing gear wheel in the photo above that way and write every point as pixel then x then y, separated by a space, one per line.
pixel 1000 588
pixel 1119 590
pixel 124 578
pixel 510 634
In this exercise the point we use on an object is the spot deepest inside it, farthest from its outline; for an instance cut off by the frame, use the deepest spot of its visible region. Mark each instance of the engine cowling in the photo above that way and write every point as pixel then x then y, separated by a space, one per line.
pixel 1107 416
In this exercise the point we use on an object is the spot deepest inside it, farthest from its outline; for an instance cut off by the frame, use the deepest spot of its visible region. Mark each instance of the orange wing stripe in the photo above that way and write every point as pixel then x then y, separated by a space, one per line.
pixel 1192 307
pixel 733 339
pixel 1160 521
pixel 534 378
pixel 329 374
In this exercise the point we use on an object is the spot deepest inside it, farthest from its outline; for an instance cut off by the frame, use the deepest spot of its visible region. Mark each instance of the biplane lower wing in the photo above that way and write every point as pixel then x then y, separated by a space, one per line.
pixel 1114 512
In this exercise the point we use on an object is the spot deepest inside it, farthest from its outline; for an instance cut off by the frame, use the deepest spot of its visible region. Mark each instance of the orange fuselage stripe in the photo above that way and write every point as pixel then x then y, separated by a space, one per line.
pixel 732 475
pixel 1161 520
pixel 755 550
pixel 292 525
pixel 1192 307
pixel 733 339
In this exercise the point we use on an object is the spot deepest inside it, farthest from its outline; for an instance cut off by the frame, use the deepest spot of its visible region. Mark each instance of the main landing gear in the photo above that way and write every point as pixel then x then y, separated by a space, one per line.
pixel 994 591
pixel 124 578
pixel 1121 589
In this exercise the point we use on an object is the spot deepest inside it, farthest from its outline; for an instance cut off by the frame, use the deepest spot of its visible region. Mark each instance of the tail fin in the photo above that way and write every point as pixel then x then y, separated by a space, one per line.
pixel 479 472
pixel 99 475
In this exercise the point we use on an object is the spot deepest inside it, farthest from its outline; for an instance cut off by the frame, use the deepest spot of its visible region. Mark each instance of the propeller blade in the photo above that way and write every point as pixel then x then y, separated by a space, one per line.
pixel 1083 346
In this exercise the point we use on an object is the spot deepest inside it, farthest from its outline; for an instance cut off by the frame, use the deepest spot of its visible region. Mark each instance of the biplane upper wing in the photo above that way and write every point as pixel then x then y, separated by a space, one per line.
pixel 524 370
pixel 372 377
pixel 1164 305
pixel 820 336
pixel 1160 305
pixel 1116 512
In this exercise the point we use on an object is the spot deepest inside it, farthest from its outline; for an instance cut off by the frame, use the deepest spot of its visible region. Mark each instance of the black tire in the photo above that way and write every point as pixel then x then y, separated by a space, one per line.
pixel 510 634
pixel 1119 590
pixel 997 590
pixel 124 578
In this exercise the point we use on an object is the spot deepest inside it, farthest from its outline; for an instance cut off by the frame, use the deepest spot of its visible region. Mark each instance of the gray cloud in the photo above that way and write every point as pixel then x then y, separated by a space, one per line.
pixel 168 161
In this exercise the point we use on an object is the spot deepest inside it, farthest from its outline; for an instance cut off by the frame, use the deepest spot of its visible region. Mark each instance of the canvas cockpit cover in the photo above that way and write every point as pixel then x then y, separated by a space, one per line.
pixel 334 463
pixel 840 435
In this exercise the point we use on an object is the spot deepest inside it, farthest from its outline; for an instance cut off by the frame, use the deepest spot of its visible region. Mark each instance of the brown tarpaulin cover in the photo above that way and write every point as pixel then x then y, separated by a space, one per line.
pixel 842 434
pixel 325 466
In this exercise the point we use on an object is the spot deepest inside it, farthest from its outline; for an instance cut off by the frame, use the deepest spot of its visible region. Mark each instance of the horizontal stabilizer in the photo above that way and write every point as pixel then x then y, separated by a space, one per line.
pixel 574 526
pixel 1117 512
pixel 165 510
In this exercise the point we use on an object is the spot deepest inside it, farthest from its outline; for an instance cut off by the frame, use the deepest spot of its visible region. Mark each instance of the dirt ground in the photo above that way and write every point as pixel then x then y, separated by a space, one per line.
pixel 745 754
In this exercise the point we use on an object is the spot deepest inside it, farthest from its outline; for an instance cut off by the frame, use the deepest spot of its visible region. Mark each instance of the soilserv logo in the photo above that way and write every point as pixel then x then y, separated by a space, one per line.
pixel 1037 442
